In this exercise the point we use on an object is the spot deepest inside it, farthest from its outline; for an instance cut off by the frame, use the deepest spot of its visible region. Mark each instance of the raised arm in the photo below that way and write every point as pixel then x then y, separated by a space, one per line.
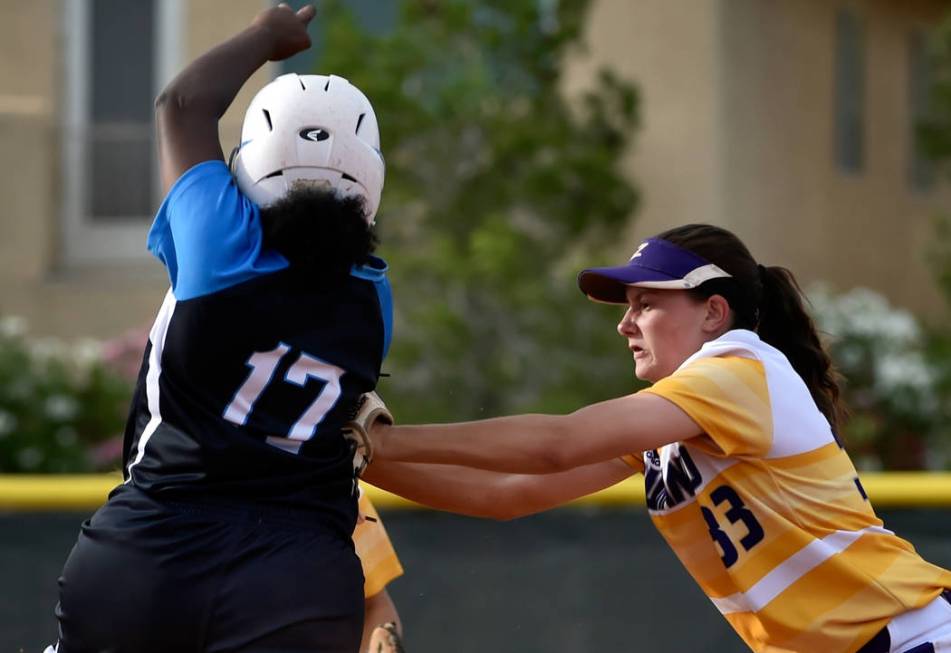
pixel 494 495
pixel 541 444
pixel 188 109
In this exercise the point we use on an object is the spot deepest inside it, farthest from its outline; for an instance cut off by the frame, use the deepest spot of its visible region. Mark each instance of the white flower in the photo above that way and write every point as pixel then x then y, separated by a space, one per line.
pixel 86 353
pixel 863 313
pixel 12 326
pixel 867 331
pixel 61 407
pixel 8 422
pixel 909 371
pixel 44 350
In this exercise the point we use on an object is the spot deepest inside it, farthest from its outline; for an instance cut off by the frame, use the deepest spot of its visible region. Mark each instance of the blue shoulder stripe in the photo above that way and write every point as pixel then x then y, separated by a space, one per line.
pixel 375 271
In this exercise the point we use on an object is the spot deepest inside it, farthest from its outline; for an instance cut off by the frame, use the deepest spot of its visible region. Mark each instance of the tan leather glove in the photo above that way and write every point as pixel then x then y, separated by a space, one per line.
pixel 370 408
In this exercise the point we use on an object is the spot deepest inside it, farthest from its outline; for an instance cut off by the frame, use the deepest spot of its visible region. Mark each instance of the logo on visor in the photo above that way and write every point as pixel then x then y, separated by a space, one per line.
pixel 640 249
pixel 314 134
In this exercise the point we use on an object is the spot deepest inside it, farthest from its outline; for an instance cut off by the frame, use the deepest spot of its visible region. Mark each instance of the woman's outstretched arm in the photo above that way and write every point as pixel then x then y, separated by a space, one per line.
pixel 541 444
pixel 494 495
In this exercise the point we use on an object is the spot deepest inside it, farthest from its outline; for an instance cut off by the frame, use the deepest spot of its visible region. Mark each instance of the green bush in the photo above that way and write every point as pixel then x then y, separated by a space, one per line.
pixel 58 403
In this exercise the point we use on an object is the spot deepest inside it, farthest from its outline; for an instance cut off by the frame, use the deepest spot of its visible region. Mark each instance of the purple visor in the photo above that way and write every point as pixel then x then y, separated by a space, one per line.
pixel 657 264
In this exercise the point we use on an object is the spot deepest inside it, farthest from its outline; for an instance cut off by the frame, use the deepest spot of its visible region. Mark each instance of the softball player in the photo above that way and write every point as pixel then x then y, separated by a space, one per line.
pixel 232 530
pixel 382 629
pixel 736 440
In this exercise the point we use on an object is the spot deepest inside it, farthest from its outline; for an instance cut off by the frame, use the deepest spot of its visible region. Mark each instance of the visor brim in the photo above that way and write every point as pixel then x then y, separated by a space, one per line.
pixel 609 285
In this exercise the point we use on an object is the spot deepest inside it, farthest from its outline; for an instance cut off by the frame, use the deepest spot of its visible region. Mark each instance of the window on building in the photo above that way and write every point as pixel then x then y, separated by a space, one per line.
pixel 118 53
pixel 849 91
pixel 121 79
pixel 921 173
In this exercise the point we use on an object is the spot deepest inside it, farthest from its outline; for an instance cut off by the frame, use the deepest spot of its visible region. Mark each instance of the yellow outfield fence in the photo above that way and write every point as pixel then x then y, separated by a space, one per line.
pixel 26 493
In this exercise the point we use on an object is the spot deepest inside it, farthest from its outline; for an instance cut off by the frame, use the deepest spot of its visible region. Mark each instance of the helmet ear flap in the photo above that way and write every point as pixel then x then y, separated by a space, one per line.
pixel 231 157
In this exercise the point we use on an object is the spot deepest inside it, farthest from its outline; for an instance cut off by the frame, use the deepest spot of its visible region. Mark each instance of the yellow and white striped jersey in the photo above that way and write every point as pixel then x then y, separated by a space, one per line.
pixel 373 546
pixel 766 510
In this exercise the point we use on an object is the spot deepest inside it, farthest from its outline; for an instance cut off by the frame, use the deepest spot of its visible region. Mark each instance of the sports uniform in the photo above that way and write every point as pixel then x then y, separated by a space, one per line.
pixel 765 508
pixel 232 528
pixel 767 513
pixel 376 552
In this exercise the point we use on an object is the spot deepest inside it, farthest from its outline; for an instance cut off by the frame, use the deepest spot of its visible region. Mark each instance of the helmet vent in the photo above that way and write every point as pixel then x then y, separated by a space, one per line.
pixel 267 116
pixel 359 122
pixel 327 85
pixel 301 82
pixel 347 177
pixel 277 173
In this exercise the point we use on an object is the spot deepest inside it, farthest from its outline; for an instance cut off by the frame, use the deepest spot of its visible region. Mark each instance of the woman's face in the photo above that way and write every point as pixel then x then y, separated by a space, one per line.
pixel 663 328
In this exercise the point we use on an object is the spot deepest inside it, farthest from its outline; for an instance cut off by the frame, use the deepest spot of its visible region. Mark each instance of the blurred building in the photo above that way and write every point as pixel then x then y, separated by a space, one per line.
pixel 789 122
pixel 77 162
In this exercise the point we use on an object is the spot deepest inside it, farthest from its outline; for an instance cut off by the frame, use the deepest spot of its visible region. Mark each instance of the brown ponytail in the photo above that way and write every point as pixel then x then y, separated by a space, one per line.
pixel 769 301
pixel 786 325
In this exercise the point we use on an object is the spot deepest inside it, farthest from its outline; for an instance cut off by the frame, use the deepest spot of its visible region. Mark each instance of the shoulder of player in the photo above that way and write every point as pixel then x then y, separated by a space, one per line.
pixel 374 269
pixel 205 172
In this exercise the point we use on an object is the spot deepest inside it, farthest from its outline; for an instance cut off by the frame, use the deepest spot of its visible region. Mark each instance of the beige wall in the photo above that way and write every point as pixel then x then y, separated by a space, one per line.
pixel 668 48
pixel 782 191
pixel 210 22
pixel 737 130
pixel 57 299
pixel 28 170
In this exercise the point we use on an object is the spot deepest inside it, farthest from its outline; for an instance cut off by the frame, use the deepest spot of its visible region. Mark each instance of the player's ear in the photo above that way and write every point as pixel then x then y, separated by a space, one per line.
pixel 718 315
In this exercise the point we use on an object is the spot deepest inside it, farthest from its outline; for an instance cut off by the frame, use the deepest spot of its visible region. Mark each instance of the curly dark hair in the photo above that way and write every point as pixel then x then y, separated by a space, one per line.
pixel 319 232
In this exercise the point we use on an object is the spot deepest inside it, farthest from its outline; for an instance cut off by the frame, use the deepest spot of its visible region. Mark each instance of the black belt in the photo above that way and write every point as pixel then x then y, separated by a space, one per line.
pixel 882 642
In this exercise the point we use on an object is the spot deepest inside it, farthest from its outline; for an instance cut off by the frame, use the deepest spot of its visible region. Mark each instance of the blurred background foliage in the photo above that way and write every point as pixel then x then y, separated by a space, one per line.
pixel 893 380
pixel 895 367
pixel 500 187
pixel 60 403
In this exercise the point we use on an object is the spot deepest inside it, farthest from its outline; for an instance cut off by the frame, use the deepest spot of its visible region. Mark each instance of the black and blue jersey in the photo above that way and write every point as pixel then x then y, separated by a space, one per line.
pixel 249 374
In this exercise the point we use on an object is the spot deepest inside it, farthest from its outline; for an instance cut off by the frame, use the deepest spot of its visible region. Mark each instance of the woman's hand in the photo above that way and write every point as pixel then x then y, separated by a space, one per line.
pixel 369 411
pixel 376 435
pixel 286 28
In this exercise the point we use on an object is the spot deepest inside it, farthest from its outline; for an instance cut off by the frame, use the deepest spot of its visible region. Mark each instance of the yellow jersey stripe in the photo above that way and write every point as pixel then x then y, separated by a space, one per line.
pixel 728 398
pixel 830 450
pixel 373 546
pixel 791 570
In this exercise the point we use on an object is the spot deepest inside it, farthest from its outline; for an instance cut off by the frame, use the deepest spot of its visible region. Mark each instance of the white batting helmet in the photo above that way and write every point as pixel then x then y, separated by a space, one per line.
pixel 310 128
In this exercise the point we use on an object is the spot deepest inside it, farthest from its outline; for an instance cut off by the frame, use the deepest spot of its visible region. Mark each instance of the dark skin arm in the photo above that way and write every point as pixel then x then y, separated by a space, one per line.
pixel 187 111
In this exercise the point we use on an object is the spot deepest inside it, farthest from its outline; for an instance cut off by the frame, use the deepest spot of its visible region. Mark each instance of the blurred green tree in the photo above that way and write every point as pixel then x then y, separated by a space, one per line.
pixel 500 186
